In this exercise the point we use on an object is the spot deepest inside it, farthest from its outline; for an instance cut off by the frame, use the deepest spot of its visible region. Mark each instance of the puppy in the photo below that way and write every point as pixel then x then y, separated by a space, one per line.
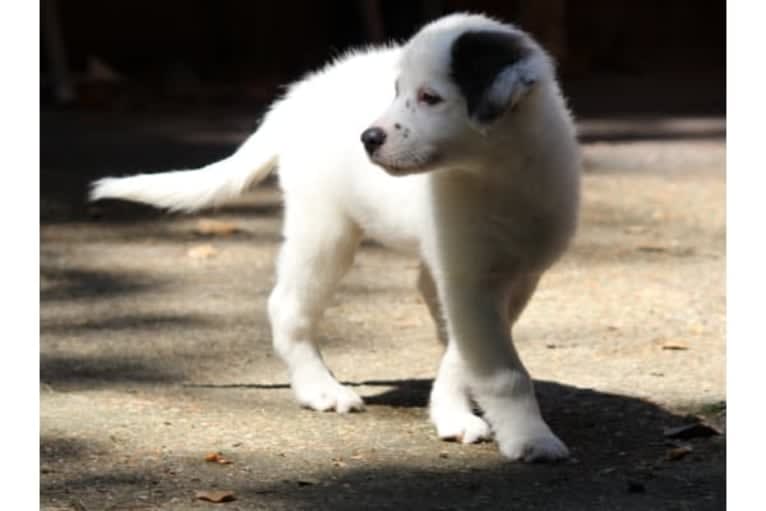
pixel 468 157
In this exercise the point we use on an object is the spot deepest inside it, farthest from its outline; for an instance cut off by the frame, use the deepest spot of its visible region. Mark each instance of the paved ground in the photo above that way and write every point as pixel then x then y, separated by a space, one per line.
pixel 156 352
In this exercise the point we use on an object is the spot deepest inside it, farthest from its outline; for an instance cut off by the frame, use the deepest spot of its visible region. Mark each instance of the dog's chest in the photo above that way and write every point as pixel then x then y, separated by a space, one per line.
pixel 392 210
pixel 494 225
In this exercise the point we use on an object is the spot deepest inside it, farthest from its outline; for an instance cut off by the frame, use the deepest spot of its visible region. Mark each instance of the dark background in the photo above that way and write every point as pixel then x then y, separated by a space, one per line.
pixel 661 56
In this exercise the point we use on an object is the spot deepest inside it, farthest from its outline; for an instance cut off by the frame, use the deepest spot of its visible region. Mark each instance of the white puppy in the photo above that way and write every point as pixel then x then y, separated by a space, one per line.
pixel 481 180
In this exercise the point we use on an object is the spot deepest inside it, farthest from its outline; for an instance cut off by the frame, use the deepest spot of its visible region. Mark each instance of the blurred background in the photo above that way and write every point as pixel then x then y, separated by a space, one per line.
pixel 238 52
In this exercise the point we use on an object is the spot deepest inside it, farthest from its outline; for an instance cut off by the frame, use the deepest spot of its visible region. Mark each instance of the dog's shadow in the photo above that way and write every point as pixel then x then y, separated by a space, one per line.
pixel 409 393
pixel 618 423
pixel 613 427
pixel 618 443
pixel 588 415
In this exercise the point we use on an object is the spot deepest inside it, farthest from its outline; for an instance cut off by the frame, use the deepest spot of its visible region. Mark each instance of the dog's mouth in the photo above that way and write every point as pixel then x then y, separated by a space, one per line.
pixel 401 168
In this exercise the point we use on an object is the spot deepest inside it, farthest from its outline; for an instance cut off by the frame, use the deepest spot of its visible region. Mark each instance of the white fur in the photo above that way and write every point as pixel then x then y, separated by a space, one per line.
pixel 488 206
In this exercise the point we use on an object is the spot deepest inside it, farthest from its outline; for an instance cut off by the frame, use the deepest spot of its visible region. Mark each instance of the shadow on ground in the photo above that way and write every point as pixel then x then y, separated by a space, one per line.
pixel 95 371
pixel 620 462
pixel 71 283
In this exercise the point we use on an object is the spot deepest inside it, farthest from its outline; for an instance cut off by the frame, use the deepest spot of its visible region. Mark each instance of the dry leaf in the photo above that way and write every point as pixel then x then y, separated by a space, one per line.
pixel 674 346
pixel 678 452
pixel 216 496
pixel 696 430
pixel 202 252
pixel 217 457
pixel 408 323
pixel 208 227
pixel 213 457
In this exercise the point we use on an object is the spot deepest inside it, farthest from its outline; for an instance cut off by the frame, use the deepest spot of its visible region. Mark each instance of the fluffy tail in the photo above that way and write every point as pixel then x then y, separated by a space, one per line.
pixel 194 189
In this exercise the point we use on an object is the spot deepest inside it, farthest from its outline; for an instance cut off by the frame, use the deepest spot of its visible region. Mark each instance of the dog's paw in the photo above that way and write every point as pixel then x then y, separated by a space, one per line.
pixel 326 394
pixel 534 447
pixel 465 428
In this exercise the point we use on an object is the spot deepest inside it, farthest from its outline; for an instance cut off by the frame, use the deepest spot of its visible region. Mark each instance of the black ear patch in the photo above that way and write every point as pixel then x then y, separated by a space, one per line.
pixel 477 58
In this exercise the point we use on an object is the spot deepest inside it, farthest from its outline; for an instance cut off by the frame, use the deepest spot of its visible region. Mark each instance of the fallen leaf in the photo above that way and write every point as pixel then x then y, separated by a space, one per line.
pixel 674 346
pixel 208 227
pixel 408 323
pixel 202 252
pixel 696 430
pixel 679 452
pixel 216 496
pixel 213 456
pixel 216 457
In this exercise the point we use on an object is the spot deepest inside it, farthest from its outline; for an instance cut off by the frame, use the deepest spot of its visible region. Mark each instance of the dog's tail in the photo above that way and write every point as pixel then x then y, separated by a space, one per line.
pixel 194 189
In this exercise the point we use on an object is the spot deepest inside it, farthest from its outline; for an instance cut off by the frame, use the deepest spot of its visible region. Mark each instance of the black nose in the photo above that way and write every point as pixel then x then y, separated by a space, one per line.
pixel 372 138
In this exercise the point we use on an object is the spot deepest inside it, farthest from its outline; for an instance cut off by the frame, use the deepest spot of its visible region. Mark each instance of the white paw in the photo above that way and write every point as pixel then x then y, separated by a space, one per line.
pixel 541 445
pixel 465 428
pixel 323 393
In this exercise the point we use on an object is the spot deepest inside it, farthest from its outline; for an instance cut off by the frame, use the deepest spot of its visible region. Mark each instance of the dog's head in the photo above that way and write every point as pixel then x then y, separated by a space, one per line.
pixel 457 78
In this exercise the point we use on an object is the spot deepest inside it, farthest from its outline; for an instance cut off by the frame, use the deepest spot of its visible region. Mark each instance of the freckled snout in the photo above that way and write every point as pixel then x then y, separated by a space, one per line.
pixel 373 138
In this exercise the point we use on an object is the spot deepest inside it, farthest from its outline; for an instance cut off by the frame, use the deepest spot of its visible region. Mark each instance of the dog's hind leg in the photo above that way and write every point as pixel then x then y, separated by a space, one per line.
pixel 450 405
pixel 318 250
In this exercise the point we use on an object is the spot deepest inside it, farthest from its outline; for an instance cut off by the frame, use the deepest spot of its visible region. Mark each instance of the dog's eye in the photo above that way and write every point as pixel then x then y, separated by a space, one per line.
pixel 429 97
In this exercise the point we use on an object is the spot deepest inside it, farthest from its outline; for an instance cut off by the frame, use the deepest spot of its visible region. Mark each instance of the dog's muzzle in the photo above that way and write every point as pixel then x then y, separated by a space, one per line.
pixel 373 138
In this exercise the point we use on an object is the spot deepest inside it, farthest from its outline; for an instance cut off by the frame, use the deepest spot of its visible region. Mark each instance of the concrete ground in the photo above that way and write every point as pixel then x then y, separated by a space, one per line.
pixel 155 348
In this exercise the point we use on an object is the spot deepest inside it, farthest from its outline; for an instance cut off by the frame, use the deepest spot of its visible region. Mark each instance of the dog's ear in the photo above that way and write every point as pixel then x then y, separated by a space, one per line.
pixel 494 70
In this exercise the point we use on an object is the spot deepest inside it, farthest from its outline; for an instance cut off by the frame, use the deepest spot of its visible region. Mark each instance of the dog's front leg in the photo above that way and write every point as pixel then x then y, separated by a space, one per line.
pixel 450 406
pixel 477 316
pixel 311 262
